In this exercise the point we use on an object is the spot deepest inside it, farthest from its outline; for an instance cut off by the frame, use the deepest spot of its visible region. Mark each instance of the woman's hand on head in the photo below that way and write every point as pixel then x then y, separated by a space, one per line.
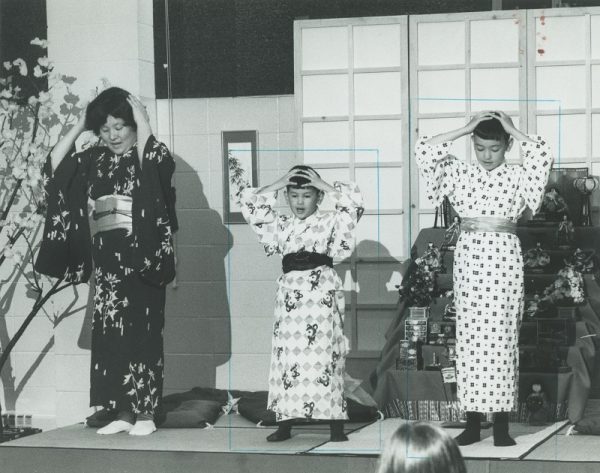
pixel 140 114
pixel 80 126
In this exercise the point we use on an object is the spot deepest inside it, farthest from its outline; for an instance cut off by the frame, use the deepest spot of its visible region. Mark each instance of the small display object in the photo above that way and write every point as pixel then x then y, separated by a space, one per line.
pixel 536 260
pixel 451 235
pixel 441 332
pixel 537 405
pixel 450 311
pixel 432 257
pixel 451 352
pixel 582 261
pixel 418 313
pixel 435 363
pixel 408 358
pixel 416 330
pixel 449 374
pixel 553 206
pixel 565 233
pixel 585 186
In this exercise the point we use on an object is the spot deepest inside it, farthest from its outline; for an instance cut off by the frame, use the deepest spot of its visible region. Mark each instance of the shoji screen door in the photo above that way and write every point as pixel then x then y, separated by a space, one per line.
pixel 352 105
pixel 564 74
pixel 461 64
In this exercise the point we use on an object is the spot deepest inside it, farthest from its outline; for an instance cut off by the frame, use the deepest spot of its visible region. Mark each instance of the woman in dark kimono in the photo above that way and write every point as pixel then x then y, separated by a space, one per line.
pixel 129 180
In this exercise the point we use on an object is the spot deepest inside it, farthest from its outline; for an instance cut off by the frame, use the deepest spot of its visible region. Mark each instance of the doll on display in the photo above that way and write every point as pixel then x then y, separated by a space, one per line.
pixel 536 259
pixel 565 234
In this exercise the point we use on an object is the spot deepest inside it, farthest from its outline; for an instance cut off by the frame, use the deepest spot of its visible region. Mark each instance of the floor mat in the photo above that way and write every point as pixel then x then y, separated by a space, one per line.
pixel 371 439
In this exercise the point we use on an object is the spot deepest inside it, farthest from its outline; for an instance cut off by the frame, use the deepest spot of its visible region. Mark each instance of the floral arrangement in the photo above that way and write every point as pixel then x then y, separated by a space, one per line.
pixel 37 106
pixel 568 287
pixel 419 288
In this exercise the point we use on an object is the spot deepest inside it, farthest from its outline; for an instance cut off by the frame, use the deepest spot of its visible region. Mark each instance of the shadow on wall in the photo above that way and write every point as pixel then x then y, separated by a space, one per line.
pixel 197 316
pixel 376 280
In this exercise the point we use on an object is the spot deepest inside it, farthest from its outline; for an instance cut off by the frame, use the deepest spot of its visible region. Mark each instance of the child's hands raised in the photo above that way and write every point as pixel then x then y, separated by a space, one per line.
pixel 314 179
pixel 478 118
pixel 505 120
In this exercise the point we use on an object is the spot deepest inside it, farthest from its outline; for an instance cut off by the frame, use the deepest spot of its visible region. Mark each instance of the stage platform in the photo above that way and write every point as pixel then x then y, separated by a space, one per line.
pixel 236 445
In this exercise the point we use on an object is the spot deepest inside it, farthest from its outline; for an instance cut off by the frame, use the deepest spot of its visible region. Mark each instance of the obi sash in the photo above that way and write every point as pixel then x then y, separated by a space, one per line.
pixel 488 224
pixel 304 260
pixel 112 212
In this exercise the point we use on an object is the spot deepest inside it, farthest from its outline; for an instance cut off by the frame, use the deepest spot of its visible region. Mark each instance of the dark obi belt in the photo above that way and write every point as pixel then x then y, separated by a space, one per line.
pixel 304 260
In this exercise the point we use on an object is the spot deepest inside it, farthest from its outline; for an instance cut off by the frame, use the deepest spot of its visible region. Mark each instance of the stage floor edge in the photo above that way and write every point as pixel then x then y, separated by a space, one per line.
pixel 79 449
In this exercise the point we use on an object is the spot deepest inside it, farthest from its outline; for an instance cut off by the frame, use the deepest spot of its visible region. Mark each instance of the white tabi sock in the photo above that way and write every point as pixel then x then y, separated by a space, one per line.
pixel 143 427
pixel 115 427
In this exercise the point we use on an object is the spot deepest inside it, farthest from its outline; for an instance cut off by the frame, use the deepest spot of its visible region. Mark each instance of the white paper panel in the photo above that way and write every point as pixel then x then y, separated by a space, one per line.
pixel 596 135
pixel 324 48
pixel 563 83
pixel 377 93
pixel 596 86
pixel 434 126
pixel 382 188
pixel 372 326
pixel 330 139
pixel 560 38
pixel 378 234
pixel 595 22
pixel 383 135
pixel 377 46
pixel 372 279
pixel 449 85
pixel 330 176
pixel 494 41
pixel 441 43
pixel 325 95
pixel 426 221
pixel 572 135
pixel 489 84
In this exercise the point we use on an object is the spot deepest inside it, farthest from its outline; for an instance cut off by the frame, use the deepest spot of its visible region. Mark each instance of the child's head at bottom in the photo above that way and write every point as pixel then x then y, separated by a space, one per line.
pixel 419 447
pixel 301 196
pixel 491 143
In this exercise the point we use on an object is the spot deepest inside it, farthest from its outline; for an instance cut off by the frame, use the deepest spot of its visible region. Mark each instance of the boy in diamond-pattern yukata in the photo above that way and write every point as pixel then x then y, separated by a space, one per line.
pixel 306 379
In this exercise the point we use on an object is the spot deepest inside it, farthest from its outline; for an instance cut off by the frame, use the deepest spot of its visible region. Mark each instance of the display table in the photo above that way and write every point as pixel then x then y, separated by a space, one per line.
pixel 418 394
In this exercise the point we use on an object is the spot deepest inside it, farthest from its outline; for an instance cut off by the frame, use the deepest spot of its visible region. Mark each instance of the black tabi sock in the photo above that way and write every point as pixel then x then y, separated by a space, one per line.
pixel 283 432
pixel 501 437
pixel 336 428
pixel 472 433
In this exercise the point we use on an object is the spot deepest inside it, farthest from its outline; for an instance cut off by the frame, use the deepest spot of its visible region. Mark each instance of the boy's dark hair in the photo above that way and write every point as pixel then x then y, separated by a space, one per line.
pixel 300 181
pixel 113 102
pixel 491 129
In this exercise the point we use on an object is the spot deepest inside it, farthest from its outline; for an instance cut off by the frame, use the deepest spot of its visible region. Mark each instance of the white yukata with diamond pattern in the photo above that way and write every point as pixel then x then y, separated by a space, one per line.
pixel 488 266
pixel 306 378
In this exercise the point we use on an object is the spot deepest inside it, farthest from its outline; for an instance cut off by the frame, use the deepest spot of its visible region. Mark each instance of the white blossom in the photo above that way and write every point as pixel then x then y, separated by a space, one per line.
pixel 20 63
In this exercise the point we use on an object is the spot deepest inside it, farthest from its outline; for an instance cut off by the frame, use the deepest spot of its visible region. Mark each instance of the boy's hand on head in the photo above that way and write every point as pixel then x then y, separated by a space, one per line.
pixel 505 120
pixel 478 118
pixel 315 180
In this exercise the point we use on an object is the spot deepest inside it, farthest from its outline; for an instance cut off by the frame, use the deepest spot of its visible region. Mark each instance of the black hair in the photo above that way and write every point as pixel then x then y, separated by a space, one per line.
pixel 113 102
pixel 491 129
pixel 298 180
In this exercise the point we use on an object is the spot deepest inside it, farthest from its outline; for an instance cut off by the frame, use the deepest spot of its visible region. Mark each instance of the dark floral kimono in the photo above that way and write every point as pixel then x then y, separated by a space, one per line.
pixel 131 268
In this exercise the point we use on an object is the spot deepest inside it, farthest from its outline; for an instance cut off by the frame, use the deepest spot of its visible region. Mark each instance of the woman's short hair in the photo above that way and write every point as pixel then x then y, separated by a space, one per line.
pixel 491 129
pixel 420 447
pixel 298 180
pixel 113 102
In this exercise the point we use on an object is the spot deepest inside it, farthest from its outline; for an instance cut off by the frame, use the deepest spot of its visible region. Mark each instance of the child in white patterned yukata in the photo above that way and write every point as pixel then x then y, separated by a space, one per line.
pixel 306 378
pixel 488 268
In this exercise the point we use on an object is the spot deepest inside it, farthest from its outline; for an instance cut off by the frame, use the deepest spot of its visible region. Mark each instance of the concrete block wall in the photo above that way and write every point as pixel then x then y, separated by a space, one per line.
pixel 223 301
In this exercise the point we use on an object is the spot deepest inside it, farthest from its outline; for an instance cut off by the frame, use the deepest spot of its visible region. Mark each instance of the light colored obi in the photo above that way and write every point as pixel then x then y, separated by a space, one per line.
pixel 112 212
pixel 488 224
